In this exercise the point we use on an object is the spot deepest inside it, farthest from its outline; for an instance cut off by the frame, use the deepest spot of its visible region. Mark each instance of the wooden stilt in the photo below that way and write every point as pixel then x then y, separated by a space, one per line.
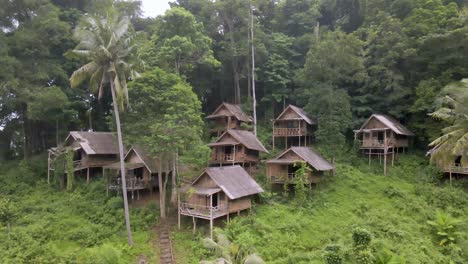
pixel 194 224
pixel 178 210
pixel 285 142
pixel 48 169
pixel 87 176
pixel 299 133
pixel 385 162
pixel 369 156
pixel 211 216
pixel 228 218
pixel 393 156
pixel 450 176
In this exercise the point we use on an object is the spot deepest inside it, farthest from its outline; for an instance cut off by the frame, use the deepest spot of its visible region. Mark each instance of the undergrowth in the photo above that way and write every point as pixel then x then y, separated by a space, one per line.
pixel 44 224
pixel 394 209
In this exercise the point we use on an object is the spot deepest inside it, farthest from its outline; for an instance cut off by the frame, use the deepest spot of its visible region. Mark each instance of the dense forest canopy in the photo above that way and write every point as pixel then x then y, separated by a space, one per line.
pixel 340 60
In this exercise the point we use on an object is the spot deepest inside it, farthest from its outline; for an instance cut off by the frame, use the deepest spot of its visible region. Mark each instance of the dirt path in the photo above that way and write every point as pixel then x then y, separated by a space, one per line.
pixel 166 254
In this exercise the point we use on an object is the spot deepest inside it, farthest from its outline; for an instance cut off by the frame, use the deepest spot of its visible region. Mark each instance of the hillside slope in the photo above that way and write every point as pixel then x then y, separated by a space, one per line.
pixel 395 209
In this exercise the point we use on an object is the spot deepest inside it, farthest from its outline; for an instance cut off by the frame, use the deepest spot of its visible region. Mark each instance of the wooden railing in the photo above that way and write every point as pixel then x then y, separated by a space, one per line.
pixel 457 169
pixel 77 164
pixel 282 177
pixel 373 143
pixel 228 157
pixel 132 183
pixel 200 210
pixel 281 131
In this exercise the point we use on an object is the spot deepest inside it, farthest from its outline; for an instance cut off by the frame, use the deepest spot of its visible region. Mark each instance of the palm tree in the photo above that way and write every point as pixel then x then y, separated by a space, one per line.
pixel 107 44
pixel 454 111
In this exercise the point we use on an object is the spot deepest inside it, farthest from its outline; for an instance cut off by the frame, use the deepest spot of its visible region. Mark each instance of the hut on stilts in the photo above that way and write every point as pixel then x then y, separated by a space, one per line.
pixel 382 136
pixel 282 169
pixel 91 152
pixel 217 192
pixel 227 116
pixel 295 126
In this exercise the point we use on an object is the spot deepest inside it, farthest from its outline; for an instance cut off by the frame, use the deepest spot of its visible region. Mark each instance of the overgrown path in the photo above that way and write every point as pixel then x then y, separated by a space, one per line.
pixel 166 254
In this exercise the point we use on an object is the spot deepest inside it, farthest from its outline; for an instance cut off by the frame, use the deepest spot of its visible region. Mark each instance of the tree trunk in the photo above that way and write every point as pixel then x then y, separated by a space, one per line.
pixel 162 193
pixel 122 167
pixel 253 70
pixel 174 181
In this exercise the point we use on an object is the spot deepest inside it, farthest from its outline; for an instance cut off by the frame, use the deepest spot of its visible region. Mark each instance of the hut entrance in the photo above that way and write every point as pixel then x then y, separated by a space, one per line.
pixel 458 161
pixel 215 200
pixel 380 136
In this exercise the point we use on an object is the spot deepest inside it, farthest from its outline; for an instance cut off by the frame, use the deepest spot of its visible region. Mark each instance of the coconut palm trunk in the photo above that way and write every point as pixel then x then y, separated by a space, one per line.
pixel 122 164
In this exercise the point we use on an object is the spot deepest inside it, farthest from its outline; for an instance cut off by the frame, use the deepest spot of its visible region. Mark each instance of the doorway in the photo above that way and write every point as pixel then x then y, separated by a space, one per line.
pixel 214 200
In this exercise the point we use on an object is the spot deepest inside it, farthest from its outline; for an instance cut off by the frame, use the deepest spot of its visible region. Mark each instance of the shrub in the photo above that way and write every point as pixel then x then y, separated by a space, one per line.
pixel 444 228
pixel 332 254
pixel 361 238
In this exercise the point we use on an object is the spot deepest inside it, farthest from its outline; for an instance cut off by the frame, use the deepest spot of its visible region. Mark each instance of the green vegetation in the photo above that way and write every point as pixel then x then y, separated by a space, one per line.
pixel 41 224
pixel 357 215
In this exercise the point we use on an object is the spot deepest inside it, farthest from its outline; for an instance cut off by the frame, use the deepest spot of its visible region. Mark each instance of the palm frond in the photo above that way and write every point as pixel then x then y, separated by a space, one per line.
pixel 82 74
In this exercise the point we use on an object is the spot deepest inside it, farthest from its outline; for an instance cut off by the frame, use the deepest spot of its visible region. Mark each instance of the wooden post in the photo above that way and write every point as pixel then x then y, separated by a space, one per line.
pixel 393 156
pixel 385 152
pixel 234 156
pixel 450 176
pixel 211 216
pixel 299 133
pixel 228 218
pixel 286 142
pixel 48 168
pixel 194 224
pixel 370 150
pixel 178 209
pixel 87 176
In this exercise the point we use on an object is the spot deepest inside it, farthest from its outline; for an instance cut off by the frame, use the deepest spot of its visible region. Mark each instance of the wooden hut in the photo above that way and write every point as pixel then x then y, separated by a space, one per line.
pixel 141 172
pixel 382 135
pixel 283 168
pixel 453 164
pixel 295 126
pixel 236 147
pixel 91 151
pixel 227 116
pixel 217 192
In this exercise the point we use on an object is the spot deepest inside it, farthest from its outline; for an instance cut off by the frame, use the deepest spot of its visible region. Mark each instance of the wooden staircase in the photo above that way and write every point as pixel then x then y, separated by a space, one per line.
pixel 165 245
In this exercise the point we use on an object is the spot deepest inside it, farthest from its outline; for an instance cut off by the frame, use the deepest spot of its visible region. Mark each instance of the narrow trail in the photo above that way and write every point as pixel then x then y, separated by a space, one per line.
pixel 166 254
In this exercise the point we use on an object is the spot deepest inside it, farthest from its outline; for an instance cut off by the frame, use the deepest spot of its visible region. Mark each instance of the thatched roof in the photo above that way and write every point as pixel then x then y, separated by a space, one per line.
pixel 389 122
pixel 246 138
pixel 233 110
pixel 95 142
pixel 299 111
pixel 309 155
pixel 149 162
pixel 234 181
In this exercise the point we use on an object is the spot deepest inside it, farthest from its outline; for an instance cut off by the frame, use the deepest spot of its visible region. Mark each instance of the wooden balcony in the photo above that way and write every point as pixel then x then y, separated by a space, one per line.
pixel 458 169
pixel 200 211
pixel 133 184
pixel 375 143
pixel 289 132
pixel 282 177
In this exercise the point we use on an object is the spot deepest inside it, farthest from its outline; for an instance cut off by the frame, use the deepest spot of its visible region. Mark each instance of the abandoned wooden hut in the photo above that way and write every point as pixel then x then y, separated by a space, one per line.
pixel 141 172
pixel 236 147
pixel 452 165
pixel 381 136
pixel 91 151
pixel 217 192
pixel 282 169
pixel 227 116
pixel 295 126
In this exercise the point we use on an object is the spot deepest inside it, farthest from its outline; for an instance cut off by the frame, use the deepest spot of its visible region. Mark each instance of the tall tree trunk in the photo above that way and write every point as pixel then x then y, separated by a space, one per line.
pixel 162 193
pixel 122 166
pixel 174 181
pixel 253 70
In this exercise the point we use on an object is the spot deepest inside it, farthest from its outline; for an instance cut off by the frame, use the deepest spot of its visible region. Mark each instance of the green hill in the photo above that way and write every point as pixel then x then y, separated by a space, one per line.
pixel 394 209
